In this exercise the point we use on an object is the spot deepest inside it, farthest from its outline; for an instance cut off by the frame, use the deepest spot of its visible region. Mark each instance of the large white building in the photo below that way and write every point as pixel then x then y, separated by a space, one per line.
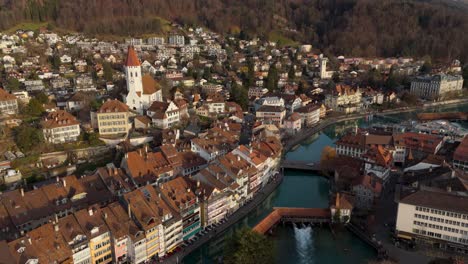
pixel 142 90
pixel 8 103
pixel 344 99
pixel 433 87
pixel 435 217
pixel 60 127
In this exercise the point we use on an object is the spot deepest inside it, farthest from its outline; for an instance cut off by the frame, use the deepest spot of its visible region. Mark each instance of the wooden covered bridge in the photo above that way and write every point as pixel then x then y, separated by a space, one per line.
pixel 300 165
pixel 452 116
pixel 293 215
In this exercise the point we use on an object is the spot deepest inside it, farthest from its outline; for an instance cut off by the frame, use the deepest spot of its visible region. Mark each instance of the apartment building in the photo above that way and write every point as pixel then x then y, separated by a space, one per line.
pixel 113 118
pixel 92 222
pixel 76 239
pixel 145 214
pixel 436 86
pixel 8 103
pixel 344 99
pixel 164 115
pixel 60 127
pixel 434 217
pixel 182 199
pixel 269 114
pixel 460 157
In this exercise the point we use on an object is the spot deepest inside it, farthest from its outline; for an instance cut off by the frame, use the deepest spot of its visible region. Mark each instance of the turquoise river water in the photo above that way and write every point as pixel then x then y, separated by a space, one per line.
pixel 306 245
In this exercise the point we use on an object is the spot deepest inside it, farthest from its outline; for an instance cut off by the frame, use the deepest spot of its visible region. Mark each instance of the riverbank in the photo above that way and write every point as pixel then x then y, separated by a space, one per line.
pixel 308 132
pixel 232 219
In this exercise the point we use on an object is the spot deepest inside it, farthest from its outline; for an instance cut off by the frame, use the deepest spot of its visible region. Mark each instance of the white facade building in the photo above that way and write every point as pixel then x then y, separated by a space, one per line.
pixel 438 218
pixel 433 87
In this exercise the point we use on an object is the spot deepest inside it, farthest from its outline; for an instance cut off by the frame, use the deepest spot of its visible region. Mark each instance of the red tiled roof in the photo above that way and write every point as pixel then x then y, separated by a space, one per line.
pixel 461 153
pixel 132 58
pixel 150 85
pixel 5 96
pixel 113 106
pixel 59 118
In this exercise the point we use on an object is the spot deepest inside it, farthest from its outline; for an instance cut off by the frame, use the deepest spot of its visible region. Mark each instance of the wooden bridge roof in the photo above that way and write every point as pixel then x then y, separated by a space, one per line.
pixel 279 212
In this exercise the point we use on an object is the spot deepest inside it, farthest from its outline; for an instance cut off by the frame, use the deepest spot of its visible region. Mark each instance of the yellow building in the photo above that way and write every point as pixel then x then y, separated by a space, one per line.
pixel 113 118
pixel 147 216
pixel 92 222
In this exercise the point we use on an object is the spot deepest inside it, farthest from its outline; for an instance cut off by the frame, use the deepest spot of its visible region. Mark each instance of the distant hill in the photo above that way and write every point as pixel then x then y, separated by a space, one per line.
pixel 348 27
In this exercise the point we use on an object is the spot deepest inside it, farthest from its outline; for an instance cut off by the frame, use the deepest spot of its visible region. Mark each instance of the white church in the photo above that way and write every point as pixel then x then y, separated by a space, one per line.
pixel 142 90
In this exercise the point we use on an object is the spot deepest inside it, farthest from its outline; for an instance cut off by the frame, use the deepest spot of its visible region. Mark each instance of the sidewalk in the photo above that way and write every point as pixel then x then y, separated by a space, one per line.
pixel 232 219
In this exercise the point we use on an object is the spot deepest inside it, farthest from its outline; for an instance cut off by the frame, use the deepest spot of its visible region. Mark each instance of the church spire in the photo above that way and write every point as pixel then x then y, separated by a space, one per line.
pixel 132 58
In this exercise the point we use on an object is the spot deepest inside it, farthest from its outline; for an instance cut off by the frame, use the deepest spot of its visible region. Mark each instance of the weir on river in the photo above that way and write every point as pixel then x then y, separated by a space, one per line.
pixel 298 189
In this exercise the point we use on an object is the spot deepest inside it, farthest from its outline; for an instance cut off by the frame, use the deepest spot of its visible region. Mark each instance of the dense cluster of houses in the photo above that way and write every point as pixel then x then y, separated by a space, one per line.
pixel 433 182
pixel 194 173
pixel 146 207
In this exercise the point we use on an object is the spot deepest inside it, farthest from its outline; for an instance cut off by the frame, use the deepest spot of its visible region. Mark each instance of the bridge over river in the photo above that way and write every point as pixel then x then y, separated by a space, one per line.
pixel 300 165
pixel 293 215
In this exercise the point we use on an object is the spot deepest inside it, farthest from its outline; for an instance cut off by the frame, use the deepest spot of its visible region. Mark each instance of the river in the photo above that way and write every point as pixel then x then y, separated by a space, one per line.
pixel 305 245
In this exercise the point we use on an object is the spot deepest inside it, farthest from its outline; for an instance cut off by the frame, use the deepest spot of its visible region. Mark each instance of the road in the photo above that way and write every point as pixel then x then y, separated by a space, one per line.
pixel 232 219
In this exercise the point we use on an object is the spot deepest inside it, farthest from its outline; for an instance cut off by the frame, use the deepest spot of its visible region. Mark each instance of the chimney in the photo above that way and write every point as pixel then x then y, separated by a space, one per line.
pixel 22 192
pixel 30 241
pixel 129 210
pixel 56 227
pixel 64 183
pixel 90 211
pixel 198 184
pixel 188 190
pixel 126 155
pixel 57 178
pixel 105 215
pixel 56 218
pixel 146 148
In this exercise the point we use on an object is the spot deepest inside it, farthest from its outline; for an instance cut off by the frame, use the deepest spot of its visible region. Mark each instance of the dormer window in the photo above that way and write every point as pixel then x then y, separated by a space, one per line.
pixel 95 230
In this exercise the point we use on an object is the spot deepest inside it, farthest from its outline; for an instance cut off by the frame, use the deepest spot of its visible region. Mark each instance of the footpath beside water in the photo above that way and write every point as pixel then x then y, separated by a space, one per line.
pixel 285 195
pixel 232 219
pixel 308 132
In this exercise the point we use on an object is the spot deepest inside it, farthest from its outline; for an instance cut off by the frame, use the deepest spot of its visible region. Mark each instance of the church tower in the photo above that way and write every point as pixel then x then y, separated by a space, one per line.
pixel 323 67
pixel 134 81
pixel 133 71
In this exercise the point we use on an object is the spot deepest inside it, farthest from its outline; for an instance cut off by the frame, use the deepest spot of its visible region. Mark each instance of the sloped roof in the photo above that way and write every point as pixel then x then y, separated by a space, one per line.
pixel 132 58
pixel 150 85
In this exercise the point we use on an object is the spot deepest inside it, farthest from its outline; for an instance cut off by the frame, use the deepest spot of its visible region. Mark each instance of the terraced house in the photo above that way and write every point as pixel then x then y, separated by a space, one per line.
pixel 145 215
pixel 92 222
pixel 182 199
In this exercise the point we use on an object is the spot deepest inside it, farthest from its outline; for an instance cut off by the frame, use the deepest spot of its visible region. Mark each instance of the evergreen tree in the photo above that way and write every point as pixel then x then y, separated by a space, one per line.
pixel 250 73
pixel 291 73
pixel 249 247
pixel 108 71
pixel 207 73
pixel 240 95
pixel 272 78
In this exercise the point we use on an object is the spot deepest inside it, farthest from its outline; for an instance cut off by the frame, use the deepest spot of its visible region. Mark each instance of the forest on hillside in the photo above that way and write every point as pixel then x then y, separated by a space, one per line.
pixel 349 27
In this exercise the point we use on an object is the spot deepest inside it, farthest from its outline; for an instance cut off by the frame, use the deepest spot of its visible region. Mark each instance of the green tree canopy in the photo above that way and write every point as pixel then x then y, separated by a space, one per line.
pixel 27 137
pixel 42 98
pixel 249 247
pixel 240 95
pixel 272 78
pixel 465 75
pixel 34 107
pixel 13 84
pixel 108 71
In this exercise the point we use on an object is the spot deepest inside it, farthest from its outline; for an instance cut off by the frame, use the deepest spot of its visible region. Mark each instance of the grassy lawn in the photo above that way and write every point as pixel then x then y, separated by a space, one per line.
pixel 281 39
pixel 26 26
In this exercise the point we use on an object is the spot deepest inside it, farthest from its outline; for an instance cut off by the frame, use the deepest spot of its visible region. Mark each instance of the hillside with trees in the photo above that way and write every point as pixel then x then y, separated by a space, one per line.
pixel 348 27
